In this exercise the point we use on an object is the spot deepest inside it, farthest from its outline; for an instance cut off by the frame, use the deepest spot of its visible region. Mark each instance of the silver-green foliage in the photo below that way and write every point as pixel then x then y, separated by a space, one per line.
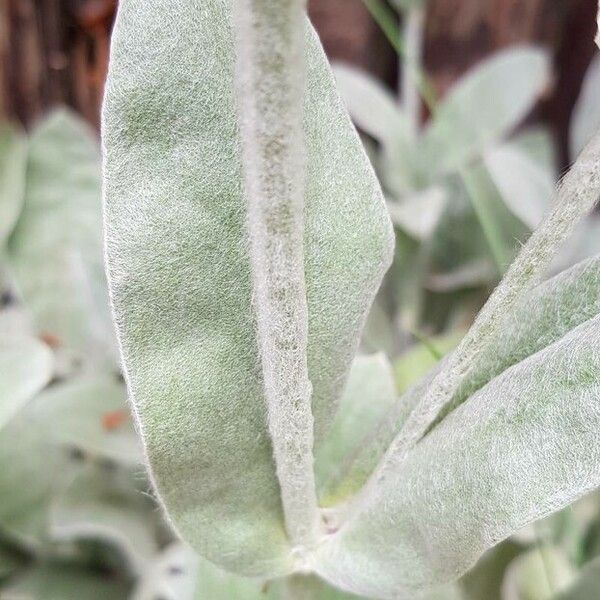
pixel 243 252
pixel 55 253
pixel 71 482
pixel 193 284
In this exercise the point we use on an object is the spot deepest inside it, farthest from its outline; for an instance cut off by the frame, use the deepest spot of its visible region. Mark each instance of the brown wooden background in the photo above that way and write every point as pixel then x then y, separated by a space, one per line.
pixel 56 51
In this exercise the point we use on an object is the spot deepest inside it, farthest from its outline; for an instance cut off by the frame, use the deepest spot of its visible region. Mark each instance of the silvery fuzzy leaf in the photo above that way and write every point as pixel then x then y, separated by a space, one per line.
pixel 539 574
pixel 26 366
pixel 369 394
pixel 585 120
pixel 420 213
pixel 42 447
pixel 372 107
pixel 63 581
pixel 13 158
pixel 521 448
pixel 525 186
pixel 484 106
pixel 179 270
pixel 541 318
pixel 102 504
pixel 56 249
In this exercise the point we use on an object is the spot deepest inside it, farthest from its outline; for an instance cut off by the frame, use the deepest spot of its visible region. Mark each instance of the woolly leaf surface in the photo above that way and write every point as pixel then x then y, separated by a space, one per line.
pixel 519 449
pixel 179 270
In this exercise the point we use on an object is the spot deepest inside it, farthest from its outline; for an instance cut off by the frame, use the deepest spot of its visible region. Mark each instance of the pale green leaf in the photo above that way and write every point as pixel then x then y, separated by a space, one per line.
pixel 179 271
pixel 379 333
pixel 102 504
pixel 56 248
pixel 539 144
pixel 26 366
pixel 524 185
pixel 538 575
pixel 369 394
pixel 32 472
pixel 180 574
pixel 522 447
pixel 62 581
pixel 585 120
pixel 13 158
pixel 419 214
pixel 372 108
pixel 375 111
pixel 42 447
pixel 171 575
pixel 95 419
pixel 484 106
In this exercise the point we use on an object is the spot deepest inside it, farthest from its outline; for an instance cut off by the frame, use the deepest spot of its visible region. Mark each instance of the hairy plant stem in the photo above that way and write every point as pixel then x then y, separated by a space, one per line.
pixel 270 92
pixel 577 195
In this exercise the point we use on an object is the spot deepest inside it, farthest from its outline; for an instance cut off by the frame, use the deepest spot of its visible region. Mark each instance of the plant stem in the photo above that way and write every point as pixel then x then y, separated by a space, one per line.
pixel 386 19
pixel 270 91
pixel 414 21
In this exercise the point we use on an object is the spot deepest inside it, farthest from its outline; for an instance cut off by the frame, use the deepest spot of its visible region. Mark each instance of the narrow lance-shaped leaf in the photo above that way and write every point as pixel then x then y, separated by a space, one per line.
pixel 371 106
pixel 520 448
pixel 180 270
pixel 577 194
pixel 540 318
